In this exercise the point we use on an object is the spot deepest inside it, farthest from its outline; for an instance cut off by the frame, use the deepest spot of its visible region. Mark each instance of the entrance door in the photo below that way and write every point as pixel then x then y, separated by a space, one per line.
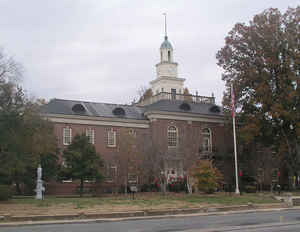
pixel 173 94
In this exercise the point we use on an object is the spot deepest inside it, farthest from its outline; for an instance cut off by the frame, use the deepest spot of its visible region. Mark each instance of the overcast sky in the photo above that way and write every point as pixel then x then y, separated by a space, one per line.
pixel 104 50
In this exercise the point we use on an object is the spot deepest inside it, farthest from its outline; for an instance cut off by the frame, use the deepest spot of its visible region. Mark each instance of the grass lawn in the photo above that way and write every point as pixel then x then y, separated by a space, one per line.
pixel 113 203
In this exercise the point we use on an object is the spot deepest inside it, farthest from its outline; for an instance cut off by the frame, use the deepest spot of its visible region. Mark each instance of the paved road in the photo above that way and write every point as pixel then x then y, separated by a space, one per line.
pixel 276 221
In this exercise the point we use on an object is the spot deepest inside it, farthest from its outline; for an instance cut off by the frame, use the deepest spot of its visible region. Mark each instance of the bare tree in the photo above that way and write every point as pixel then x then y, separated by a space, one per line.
pixel 10 70
pixel 144 93
pixel 129 159
pixel 141 91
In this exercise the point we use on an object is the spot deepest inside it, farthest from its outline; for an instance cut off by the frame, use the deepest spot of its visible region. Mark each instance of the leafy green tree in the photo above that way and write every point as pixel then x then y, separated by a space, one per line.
pixel 25 136
pixel 81 161
pixel 49 163
pixel 26 141
pixel 262 61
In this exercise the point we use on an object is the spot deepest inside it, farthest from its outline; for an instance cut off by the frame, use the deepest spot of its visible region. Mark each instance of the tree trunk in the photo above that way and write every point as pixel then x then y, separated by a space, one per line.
pixel 163 181
pixel 163 188
pixel 81 187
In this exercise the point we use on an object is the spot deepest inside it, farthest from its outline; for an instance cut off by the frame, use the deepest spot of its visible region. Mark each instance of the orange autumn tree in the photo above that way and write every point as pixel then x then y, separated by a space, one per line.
pixel 144 93
pixel 206 176
pixel 262 61
pixel 187 95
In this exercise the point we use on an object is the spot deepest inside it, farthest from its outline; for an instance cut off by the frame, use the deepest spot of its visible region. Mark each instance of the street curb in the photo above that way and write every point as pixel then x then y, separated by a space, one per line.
pixel 137 215
pixel 247 227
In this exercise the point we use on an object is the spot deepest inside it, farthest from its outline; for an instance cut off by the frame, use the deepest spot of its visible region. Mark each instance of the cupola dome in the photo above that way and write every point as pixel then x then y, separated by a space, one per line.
pixel 166 44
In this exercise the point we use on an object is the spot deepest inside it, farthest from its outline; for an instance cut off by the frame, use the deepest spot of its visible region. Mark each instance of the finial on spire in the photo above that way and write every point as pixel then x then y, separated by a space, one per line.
pixel 166 36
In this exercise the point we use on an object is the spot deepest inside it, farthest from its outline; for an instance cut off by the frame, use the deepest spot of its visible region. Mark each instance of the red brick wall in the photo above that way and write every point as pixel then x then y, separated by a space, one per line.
pixel 190 135
pixel 100 137
pixel 189 142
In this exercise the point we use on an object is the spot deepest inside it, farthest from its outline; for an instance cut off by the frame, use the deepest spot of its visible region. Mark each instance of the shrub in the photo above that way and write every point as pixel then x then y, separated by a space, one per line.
pixel 5 193
pixel 177 184
pixel 153 187
pixel 250 189
pixel 208 178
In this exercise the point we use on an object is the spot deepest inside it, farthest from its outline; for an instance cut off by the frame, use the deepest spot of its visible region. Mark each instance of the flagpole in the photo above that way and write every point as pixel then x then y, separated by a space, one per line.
pixel 237 191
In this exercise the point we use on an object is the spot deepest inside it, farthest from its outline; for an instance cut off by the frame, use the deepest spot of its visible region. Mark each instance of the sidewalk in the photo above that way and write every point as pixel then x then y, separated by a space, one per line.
pixel 8 220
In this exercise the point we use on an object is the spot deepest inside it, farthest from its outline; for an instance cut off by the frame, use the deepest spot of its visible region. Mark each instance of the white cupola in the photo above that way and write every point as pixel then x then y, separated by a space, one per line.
pixel 166 70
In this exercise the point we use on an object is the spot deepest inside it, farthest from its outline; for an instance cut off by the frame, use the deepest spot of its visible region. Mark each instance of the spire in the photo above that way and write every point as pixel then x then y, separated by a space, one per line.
pixel 166 36
pixel 166 44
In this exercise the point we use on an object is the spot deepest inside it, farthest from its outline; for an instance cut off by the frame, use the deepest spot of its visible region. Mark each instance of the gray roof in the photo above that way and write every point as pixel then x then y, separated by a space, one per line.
pixel 93 109
pixel 60 106
pixel 166 44
pixel 174 106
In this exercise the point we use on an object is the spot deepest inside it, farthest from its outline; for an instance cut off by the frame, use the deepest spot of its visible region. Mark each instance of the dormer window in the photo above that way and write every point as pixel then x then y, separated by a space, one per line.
pixel 78 108
pixel 118 111
pixel 185 106
pixel 215 109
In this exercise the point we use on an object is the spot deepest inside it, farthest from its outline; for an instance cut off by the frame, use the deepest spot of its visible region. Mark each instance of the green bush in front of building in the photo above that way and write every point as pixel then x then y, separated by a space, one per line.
pixel 5 193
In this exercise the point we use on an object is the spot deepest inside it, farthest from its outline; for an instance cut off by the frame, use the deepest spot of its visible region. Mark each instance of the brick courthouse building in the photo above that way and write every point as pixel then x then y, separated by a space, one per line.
pixel 163 134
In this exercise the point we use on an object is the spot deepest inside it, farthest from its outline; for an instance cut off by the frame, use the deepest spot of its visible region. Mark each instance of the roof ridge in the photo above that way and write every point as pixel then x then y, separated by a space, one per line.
pixel 113 104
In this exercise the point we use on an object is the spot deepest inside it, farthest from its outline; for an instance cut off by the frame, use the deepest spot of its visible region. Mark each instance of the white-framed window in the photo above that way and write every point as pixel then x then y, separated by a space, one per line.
pixel 111 173
pixel 206 140
pixel 67 136
pixel 132 178
pixel 111 138
pixel 172 136
pixel 90 133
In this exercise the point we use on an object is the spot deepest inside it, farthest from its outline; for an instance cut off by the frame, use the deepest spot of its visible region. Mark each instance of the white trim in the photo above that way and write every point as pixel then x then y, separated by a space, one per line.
pixel 205 136
pixel 67 181
pixel 168 136
pixel 168 78
pixel 184 116
pixel 113 138
pixel 85 120
pixel 69 136
pixel 90 133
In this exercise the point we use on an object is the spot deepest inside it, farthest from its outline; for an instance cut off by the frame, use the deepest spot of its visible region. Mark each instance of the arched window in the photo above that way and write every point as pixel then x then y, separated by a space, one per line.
pixel 206 140
pixel 172 136
pixel 169 56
